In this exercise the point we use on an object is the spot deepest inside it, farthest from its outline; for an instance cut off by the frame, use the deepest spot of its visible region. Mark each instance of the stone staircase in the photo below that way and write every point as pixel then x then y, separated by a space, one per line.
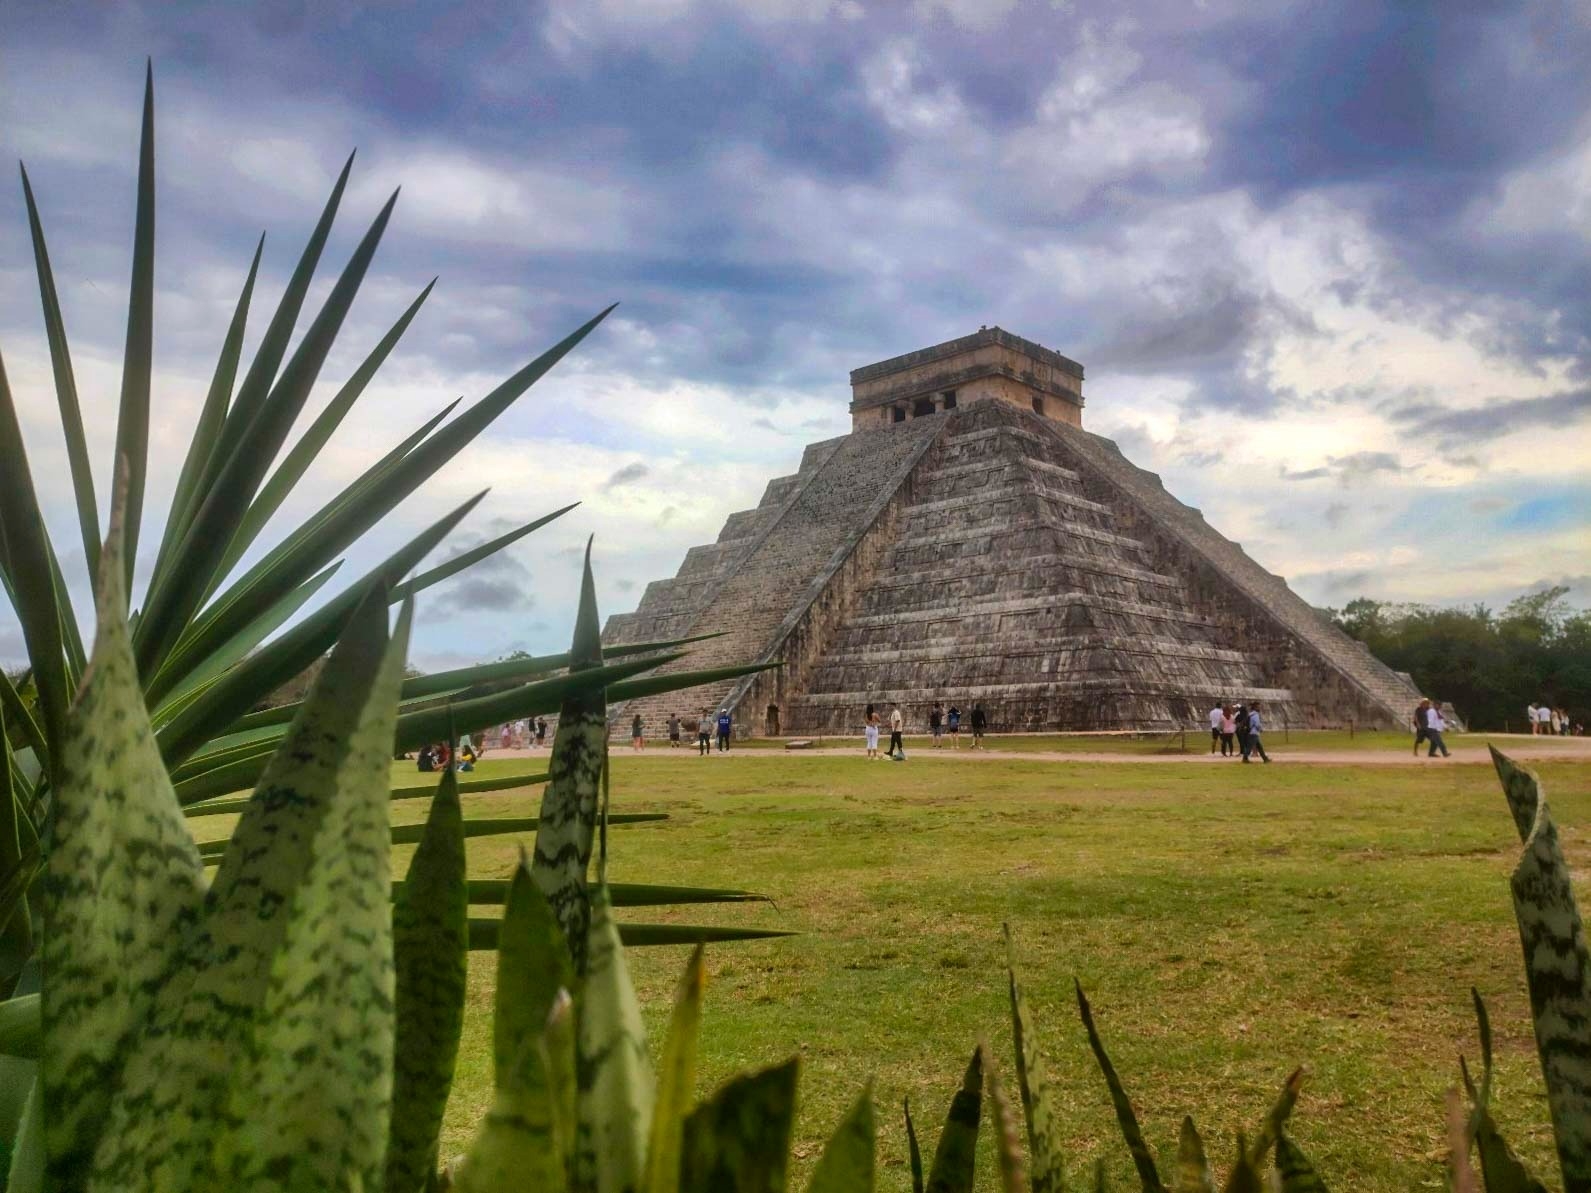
pixel 749 591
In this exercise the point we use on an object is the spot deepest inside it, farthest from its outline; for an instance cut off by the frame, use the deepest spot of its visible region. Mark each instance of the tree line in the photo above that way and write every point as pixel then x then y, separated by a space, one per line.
pixel 1488 665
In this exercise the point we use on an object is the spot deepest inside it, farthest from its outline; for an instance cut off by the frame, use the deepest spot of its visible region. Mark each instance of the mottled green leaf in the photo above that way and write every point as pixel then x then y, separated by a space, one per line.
pixel 676 1085
pixel 122 886
pixel 851 1155
pixel 429 938
pixel 488 891
pixel 527 1137
pixel 1558 972
pixel 1281 1110
pixel 1193 1170
pixel 25 1173
pixel 21 1026
pixel 1143 1159
pixel 1293 1167
pixel 1460 1174
pixel 617 1088
pixel 914 1152
pixel 1246 1176
pixel 1519 787
pixel 270 1051
pixel 569 805
pixel 1044 1145
pixel 953 1168
pixel 1007 1141
pixel 1500 1168
pixel 484 933
pixel 740 1137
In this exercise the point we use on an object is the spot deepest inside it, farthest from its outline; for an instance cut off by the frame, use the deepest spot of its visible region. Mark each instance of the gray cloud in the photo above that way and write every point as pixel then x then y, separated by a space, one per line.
pixel 627 475
pixel 1500 417
pixel 1348 470
pixel 1335 514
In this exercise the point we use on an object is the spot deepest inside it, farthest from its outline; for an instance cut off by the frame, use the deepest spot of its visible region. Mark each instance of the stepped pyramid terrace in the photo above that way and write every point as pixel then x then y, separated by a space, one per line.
pixel 970 541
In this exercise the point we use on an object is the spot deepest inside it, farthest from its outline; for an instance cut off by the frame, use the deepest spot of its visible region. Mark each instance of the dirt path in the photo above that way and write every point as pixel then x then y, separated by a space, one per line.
pixel 1465 752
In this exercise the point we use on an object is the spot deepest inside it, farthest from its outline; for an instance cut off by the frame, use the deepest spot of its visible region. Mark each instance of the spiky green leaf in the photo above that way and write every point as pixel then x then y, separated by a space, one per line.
pixel 1500 1168
pixel 953 1168
pixel 1519 787
pixel 1193 1169
pixel 1126 1119
pixel 132 421
pixel 914 1153
pixel 1296 1173
pixel 1246 1176
pixel 850 1156
pixel 676 1085
pixel 1275 1118
pixel 430 942
pixel 1007 1141
pixel 740 1137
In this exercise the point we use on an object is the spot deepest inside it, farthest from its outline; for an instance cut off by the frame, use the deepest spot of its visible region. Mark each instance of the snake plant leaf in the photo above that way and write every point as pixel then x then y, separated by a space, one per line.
pixel 207 430
pixel 1500 1167
pixel 914 1153
pixel 954 1166
pixel 21 1026
pixel 617 1087
pixel 1275 1118
pixel 25 564
pixel 65 387
pixel 485 892
pixel 474 555
pixel 1100 1184
pixel 849 1160
pixel 284 567
pixel 1126 1119
pixel 1193 1170
pixel 262 1065
pixel 26 1172
pixel 1007 1141
pixel 676 1083
pixel 294 650
pixel 20 861
pixel 1245 1176
pixel 527 1136
pixel 132 421
pixel 20 717
pixel 429 943
pixel 1297 1174
pixel 1460 1175
pixel 203 547
pixel 122 885
pixel 1519 787
pixel 740 1137
pixel 313 441
pixel 1044 1145
pixel 1558 973
pixel 569 804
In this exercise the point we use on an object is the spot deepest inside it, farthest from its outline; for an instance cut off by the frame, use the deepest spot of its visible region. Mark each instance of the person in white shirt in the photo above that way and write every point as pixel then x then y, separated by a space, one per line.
pixel 1544 719
pixel 896 724
pixel 1434 728
pixel 1531 718
pixel 1216 714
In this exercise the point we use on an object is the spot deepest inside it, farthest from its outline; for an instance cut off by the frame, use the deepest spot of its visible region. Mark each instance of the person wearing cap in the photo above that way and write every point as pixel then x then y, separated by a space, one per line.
pixel 724 725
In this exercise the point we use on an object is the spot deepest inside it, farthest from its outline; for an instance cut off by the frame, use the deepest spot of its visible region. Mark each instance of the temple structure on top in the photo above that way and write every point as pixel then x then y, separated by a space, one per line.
pixel 969 542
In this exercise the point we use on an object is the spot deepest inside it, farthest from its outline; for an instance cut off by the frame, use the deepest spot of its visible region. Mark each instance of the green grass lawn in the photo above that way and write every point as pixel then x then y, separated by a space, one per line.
pixel 1227 925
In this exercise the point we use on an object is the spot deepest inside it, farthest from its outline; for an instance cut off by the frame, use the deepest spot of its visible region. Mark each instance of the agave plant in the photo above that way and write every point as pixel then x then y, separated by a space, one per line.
pixel 211 638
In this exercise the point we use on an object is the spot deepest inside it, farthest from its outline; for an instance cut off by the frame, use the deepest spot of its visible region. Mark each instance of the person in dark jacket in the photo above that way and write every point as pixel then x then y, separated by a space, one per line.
pixel 1422 724
pixel 724 725
pixel 980 723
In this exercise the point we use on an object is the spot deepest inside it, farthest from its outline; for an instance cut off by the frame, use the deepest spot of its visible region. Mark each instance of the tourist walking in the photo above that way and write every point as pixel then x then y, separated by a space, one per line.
pixel 953 723
pixel 1228 729
pixel 704 734
pixel 1422 723
pixel 541 732
pixel 1434 727
pixel 1216 715
pixel 896 724
pixel 1531 717
pixel 936 722
pixel 673 730
pixel 1544 718
pixel 871 732
pixel 724 725
pixel 1255 730
pixel 980 723
pixel 1552 721
pixel 1242 730
pixel 637 738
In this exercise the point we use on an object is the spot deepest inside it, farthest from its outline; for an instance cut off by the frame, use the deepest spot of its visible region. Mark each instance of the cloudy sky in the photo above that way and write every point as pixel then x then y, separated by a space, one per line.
pixel 1328 265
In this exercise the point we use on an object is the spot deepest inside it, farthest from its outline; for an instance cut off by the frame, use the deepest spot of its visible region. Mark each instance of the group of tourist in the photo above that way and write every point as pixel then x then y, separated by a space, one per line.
pixel 942 722
pixel 706 723
pixel 1429 726
pixel 1551 721
pixel 1238 731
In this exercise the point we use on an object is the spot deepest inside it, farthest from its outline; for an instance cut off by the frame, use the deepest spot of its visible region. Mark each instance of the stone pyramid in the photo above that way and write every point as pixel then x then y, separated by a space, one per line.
pixel 969 541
